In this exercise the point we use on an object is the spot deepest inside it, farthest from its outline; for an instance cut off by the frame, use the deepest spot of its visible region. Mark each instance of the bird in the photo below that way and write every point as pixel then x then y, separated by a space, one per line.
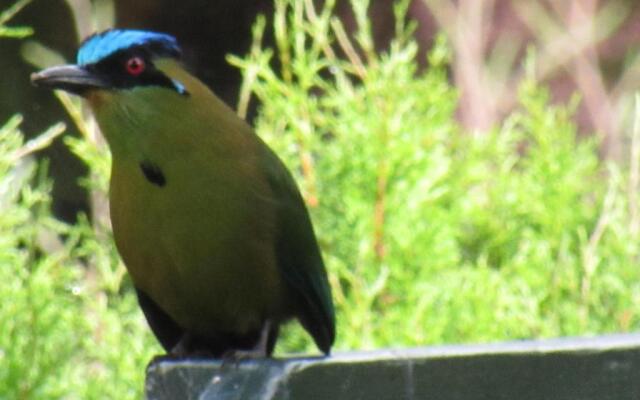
pixel 207 219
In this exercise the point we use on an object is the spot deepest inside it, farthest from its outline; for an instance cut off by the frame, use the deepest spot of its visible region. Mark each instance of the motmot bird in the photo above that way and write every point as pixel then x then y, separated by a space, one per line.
pixel 208 220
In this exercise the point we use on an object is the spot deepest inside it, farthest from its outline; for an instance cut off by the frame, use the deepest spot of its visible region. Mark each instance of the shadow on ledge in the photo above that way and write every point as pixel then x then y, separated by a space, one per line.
pixel 602 368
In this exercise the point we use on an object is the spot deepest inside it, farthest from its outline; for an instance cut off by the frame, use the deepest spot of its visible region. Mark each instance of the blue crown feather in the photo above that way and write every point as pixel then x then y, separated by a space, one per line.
pixel 102 45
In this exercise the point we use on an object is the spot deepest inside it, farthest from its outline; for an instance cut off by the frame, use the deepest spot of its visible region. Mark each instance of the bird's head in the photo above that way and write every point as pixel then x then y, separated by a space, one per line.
pixel 117 60
pixel 140 92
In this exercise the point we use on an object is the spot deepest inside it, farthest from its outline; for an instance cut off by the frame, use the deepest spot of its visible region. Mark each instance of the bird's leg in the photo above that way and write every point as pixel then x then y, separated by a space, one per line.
pixel 185 348
pixel 258 351
pixel 181 349
pixel 178 352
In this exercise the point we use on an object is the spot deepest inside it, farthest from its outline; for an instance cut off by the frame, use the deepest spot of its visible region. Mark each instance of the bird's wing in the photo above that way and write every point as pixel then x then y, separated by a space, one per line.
pixel 299 257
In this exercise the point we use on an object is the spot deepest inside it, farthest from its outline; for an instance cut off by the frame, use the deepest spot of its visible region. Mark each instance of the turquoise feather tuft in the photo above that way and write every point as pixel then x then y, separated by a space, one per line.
pixel 102 45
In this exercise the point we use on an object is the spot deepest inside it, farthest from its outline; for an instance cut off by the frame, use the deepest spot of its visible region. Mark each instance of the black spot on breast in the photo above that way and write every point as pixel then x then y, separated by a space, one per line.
pixel 153 173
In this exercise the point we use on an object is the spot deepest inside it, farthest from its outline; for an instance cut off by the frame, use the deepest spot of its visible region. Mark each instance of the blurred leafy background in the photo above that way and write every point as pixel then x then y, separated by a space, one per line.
pixel 472 169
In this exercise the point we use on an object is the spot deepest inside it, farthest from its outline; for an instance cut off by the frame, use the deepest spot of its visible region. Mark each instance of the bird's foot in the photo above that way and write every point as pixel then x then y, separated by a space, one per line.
pixel 232 358
pixel 185 349
pixel 162 358
pixel 235 356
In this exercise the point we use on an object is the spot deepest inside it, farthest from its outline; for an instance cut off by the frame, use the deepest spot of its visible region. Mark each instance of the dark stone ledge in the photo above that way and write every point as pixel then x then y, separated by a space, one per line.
pixel 599 368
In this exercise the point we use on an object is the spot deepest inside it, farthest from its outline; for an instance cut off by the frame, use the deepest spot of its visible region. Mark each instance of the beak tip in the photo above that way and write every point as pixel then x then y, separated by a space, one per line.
pixel 35 77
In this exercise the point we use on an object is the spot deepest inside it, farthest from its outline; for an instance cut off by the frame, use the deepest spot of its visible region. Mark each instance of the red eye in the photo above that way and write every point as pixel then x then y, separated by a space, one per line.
pixel 135 66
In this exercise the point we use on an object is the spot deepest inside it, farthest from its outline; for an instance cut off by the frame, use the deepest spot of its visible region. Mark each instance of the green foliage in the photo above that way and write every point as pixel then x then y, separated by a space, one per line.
pixel 66 325
pixel 6 15
pixel 434 235
pixel 430 234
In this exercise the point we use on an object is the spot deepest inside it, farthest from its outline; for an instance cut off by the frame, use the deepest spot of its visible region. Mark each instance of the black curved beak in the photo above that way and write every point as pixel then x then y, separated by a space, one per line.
pixel 70 78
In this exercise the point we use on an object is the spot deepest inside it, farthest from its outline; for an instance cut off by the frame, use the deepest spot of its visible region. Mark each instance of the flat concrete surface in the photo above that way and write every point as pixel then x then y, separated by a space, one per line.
pixel 598 368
